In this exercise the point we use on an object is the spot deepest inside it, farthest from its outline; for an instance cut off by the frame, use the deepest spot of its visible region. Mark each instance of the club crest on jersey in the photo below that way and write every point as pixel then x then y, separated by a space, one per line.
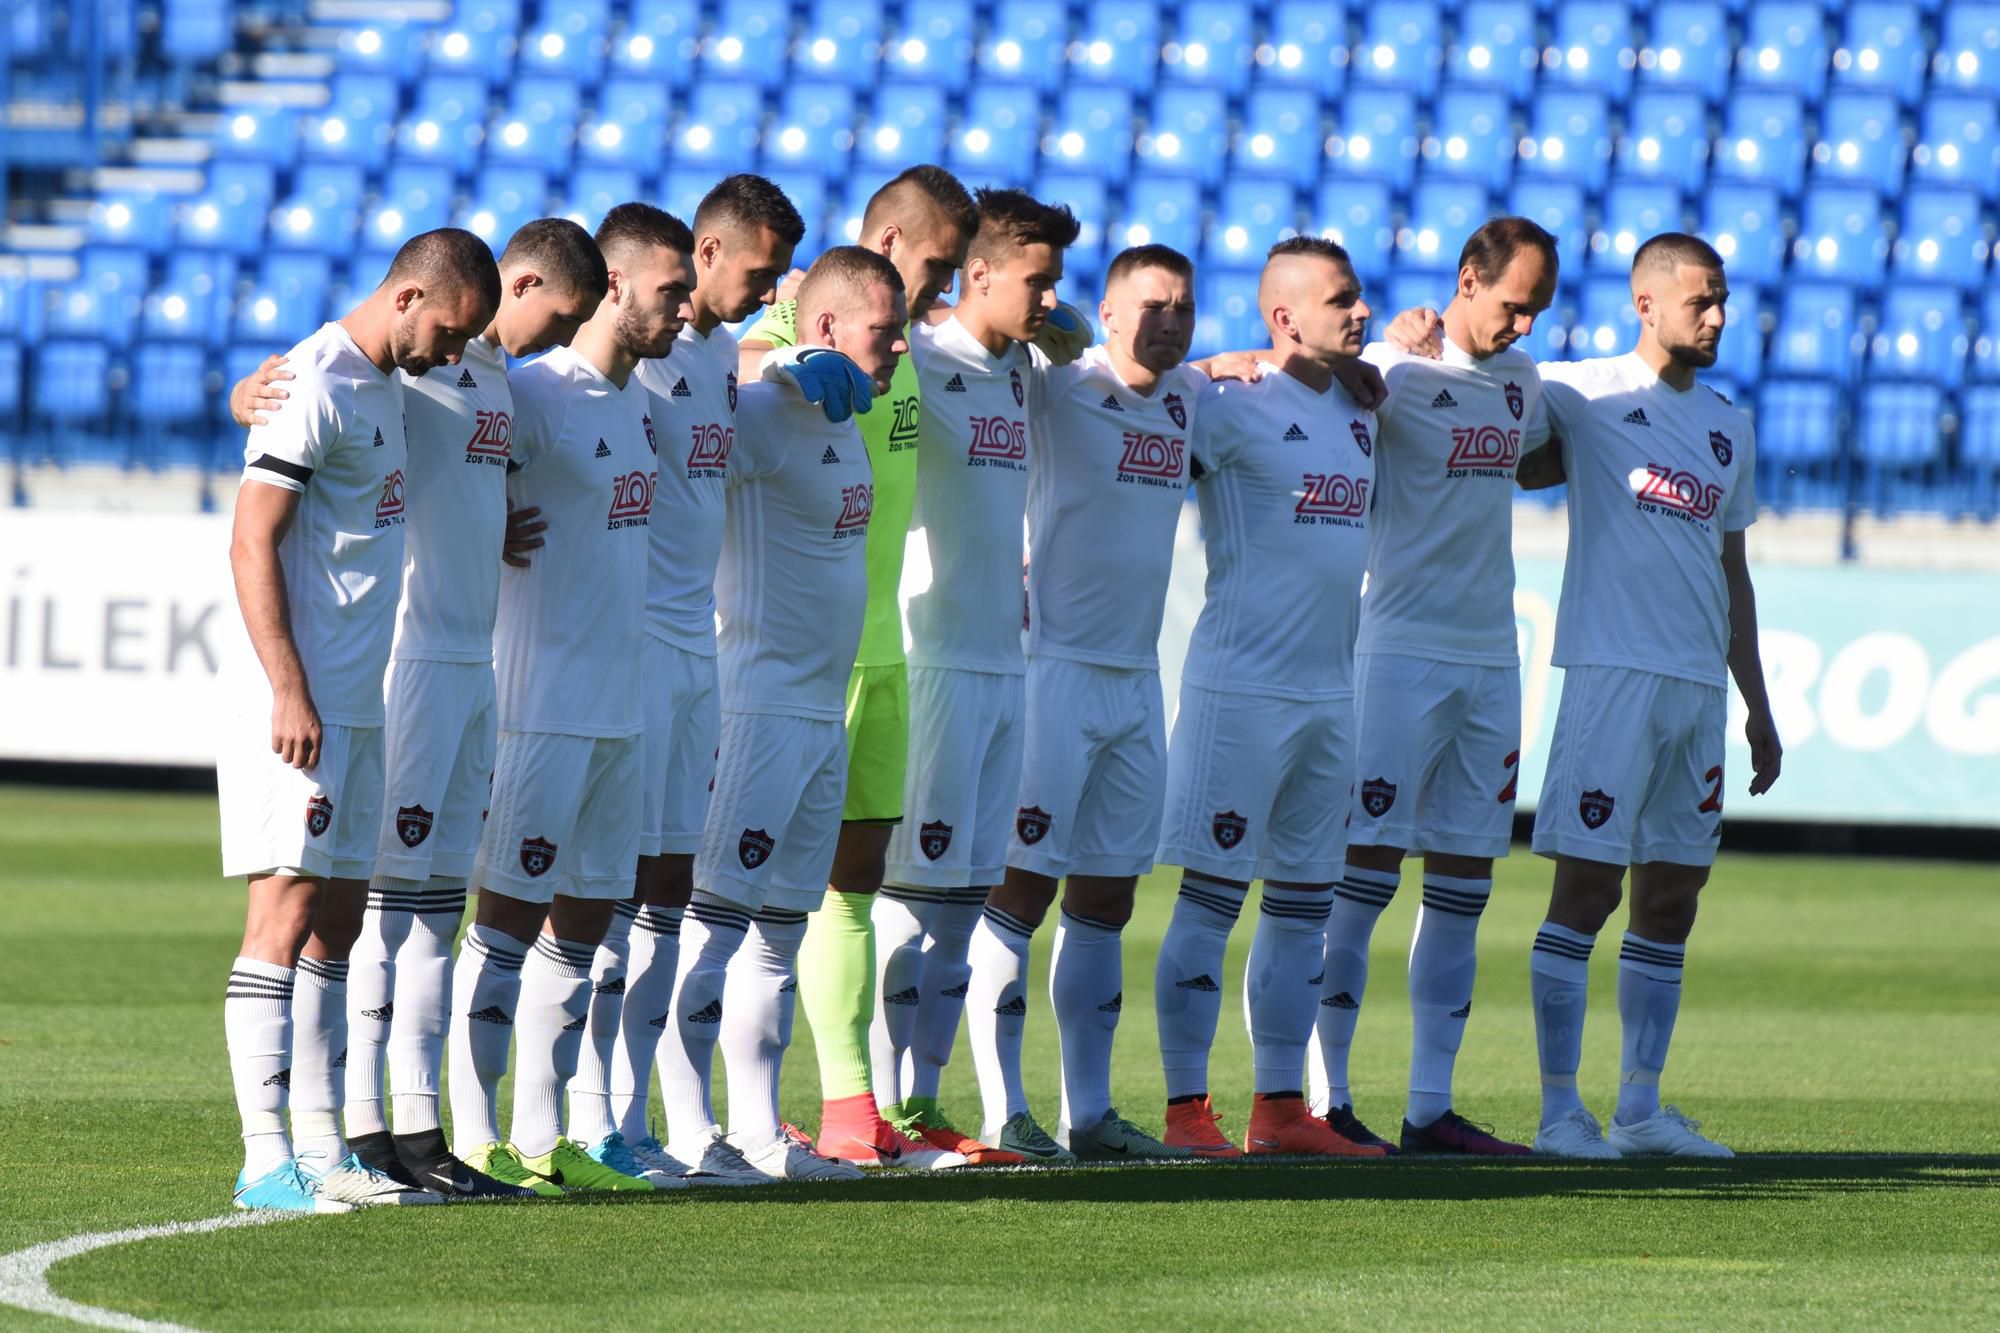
pixel 1515 399
pixel 1483 451
pixel 1360 430
pixel 1020 392
pixel 389 509
pixel 492 436
pixel 1724 450
pixel 1032 823
pixel 753 847
pixel 1152 459
pixel 857 503
pixel 413 824
pixel 652 440
pixel 709 454
pixel 1228 828
pixel 1176 409
pixel 934 838
pixel 631 500
pixel 1595 807
pixel 729 383
pixel 1378 795
pixel 537 855
pixel 319 815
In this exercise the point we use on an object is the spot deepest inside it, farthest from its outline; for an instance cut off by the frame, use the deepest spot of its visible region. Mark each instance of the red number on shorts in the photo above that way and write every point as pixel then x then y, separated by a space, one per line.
pixel 1713 805
pixel 1513 764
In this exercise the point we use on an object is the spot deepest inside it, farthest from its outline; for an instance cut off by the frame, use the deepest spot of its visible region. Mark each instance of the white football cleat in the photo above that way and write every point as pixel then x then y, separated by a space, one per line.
pixel 1577 1136
pixel 656 1164
pixel 785 1158
pixel 353 1181
pixel 715 1161
pixel 1666 1133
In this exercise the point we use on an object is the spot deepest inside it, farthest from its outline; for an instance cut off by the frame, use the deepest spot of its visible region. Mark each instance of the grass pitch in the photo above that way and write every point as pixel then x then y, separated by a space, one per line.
pixel 1839 1029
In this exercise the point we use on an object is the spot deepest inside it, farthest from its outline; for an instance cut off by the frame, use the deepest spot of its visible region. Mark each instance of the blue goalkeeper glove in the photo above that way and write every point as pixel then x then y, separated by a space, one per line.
pixel 823 376
pixel 1064 335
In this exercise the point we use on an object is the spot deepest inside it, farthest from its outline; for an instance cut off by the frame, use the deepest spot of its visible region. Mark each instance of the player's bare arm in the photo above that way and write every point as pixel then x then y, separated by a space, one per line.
pixel 1363 382
pixel 259 392
pixel 1541 467
pixel 1746 667
pixel 263 514
pixel 1418 331
pixel 525 527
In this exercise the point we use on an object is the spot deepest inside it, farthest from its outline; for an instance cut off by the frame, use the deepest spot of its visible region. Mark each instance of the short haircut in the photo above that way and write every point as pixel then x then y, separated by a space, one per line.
pixel 1015 219
pixel 1492 248
pixel 1312 247
pixel 1670 249
pixel 1276 286
pixel 1127 262
pixel 921 194
pixel 745 203
pixel 561 253
pixel 840 275
pixel 447 261
pixel 631 227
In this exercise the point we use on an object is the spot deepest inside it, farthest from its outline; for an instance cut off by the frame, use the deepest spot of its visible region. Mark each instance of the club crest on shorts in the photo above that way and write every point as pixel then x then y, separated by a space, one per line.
pixel 319 815
pixel 1514 399
pixel 1595 807
pixel 537 855
pixel 1176 409
pixel 1228 828
pixel 1360 430
pixel 1377 796
pixel 934 838
pixel 1032 823
pixel 1020 394
pixel 413 824
pixel 1724 450
pixel 753 848
pixel 729 380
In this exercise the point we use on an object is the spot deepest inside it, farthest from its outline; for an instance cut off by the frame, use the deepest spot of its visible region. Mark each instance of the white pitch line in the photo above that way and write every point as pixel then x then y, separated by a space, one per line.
pixel 24 1274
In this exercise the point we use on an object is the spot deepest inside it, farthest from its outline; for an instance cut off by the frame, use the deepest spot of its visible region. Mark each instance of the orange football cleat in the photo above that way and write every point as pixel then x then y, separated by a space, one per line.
pixel 1287 1125
pixel 1192 1125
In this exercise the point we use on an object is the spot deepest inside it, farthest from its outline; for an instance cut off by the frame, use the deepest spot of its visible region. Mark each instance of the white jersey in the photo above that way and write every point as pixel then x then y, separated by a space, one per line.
pixel 1441 540
pixel 461 424
pixel 1656 476
pixel 339 443
pixel 1284 477
pixel 566 646
pixel 973 446
pixel 692 425
pixel 793 583
pixel 1105 491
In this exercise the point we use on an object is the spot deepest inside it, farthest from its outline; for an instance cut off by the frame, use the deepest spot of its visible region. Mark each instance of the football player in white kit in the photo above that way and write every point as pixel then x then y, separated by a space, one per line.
pixel 1437 672
pixel 791 590
pixel 1262 757
pixel 562 832
pixel 317 555
pixel 744 231
pixel 1661 473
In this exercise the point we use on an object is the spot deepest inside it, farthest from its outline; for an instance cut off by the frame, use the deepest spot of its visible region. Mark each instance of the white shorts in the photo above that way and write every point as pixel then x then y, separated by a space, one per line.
pixel 564 818
pixel 683 729
pixel 1094 771
pixel 967 729
pixel 441 735
pixel 319 823
pixel 1257 787
pixel 1635 769
pixel 780 783
pixel 1437 755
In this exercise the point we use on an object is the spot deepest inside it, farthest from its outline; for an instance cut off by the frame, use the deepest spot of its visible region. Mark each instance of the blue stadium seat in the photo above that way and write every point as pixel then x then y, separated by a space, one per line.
pixel 1942 236
pixel 1860 139
pixel 682 189
pixel 1979 427
pixel 661 38
pixel 595 191
pixel 1882 48
pixel 170 384
pixel 843 41
pixel 1666 135
pixel 908 126
pixel 106 298
pixel 1402 45
pixel 1378 134
pixel 1472 133
pixel 1606 324
pixel 323 210
pixel 1085 193
pixel 1282 134
pixel 1689 48
pixel 415 198
pixel 386 45
pixel 195 30
pixel 194 300
pixel 1959 140
pixel 569 41
pixel 1120 44
pixel 1305 43
pixel 1570 137
pixel 1226 318
pixel 1443 211
pixel 1093 132
pixel 1798 437
pixel 1986 348
pixel 1784 47
pixel 631 125
pixel 506 198
pixel 133 217
pixel 1190 132
pixel 1968 51
pixel 538 128
pixel 287 301
pixel 1559 207
pixel 748 41
pixel 1816 330
pixel 999 134
pixel 807 191
pixel 1740 356
pixel 1898 442
pixel 447 124
pixel 233 211
pixel 815 126
pixel 936 44
pixel 1162 210
pixel 359 121
pixel 10 385
pixel 1027 40
pixel 1595 43
pixel 1251 217
pixel 72 381
pixel 1840 235
pixel 1763 139
pixel 476 47
pixel 843 216
pixel 1743 222
pixel 260 133
pixel 1360 215
pixel 1496 47
pixel 1633 211
pixel 1213 45
pixel 724 121
pixel 1410 289
pixel 1921 332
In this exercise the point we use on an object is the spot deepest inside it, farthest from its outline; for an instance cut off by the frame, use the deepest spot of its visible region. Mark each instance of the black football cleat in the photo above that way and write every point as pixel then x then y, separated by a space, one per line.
pixel 1342 1121
pixel 378 1150
pixel 424 1156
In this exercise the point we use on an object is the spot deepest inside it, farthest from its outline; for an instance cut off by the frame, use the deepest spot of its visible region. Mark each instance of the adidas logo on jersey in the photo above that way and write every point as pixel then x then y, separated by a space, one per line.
pixel 603 449
pixel 708 1013
pixel 907 995
pixel 615 986
pixel 492 1013
pixel 956 384
pixel 1113 1005
pixel 829 456
pixel 1203 983
pixel 1637 417
pixel 1341 1001
pixel 1014 1008
pixel 378 437
pixel 1111 401
pixel 680 389
pixel 1444 399
pixel 575 1024
pixel 1295 433
pixel 465 380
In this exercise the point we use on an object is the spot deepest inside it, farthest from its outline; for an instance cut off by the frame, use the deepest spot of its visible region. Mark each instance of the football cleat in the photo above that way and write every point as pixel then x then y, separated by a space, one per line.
pixel 1453 1133
pixel 717 1162
pixel 785 1158
pixel 1023 1135
pixel 1342 1121
pixel 1577 1136
pixel 853 1130
pixel 426 1160
pixel 657 1165
pixel 378 1151
pixel 614 1152
pixel 500 1162
pixel 286 1189
pixel 1194 1125
pixel 577 1172
pixel 353 1181
pixel 1116 1139
pixel 921 1119
pixel 1287 1125
pixel 1665 1133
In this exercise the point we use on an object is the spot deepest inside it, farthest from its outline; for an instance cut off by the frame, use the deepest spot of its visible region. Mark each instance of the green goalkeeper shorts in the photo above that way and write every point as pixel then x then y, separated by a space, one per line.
pixel 878 743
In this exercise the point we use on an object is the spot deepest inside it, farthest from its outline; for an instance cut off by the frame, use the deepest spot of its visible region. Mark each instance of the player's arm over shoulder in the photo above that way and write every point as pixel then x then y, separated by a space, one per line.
pixel 293 444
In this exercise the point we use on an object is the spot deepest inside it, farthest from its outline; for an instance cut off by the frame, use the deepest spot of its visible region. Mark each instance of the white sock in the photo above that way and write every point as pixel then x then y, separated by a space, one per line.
pixel 319 1059
pixel 371 997
pixel 590 1090
pixel 901 916
pixel 486 990
pixel 257 1022
pixel 996 1012
pixel 1087 992
pixel 1281 984
pixel 423 1004
pixel 649 1002
pixel 1442 966
pixel 1558 985
pixel 710 933
pixel 947 980
pixel 1649 1000
pixel 1187 979
pixel 555 1004
pixel 1358 901
pixel 759 999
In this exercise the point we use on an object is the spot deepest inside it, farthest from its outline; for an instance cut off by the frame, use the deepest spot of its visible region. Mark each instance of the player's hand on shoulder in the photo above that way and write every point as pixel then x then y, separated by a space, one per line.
pixel 1418 331
pixel 825 377
pixel 1064 334
pixel 259 392
pixel 1767 752
pixel 788 286
pixel 1242 367
pixel 295 726
pixel 1364 383
pixel 524 534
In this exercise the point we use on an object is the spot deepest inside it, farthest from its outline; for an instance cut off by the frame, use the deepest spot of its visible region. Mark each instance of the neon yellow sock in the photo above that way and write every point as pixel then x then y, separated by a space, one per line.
pixel 837 988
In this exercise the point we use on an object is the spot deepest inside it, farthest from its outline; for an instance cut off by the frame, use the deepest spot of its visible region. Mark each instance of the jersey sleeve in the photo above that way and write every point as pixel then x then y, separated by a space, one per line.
pixel 539 406
pixel 761 432
pixel 1211 444
pixel 1535 433
pixel 1395 368
pixel 1045 379
pixel 779 326
pixel 296 439
pixel 1741 510
pixel 1562 403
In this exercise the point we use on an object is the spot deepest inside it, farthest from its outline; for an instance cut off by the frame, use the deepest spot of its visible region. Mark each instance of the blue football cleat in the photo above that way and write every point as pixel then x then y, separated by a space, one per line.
pixel 285 1188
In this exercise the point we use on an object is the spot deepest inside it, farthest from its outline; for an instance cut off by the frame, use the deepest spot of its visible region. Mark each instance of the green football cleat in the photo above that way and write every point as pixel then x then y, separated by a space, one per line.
pixel 568 1165
pixel 1116 1139
pixel 500 1161
pixel 1022 1135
